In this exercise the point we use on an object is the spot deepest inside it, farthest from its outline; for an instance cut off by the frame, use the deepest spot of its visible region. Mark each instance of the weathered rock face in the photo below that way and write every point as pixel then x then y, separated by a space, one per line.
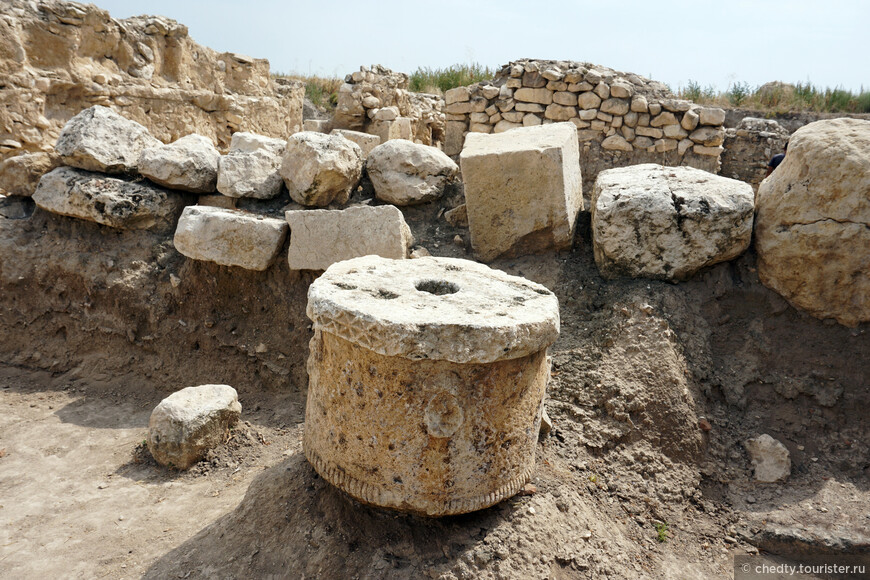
pixel 522 189
pixel 58 58
pixel 20 175
pixel 319 238
pixel 189 164
pixel 652 221
pixel 229 237
pixel 250 169
pixel 448 359
pixel 365 141
pixel 769 457
pixel 405 173
pixel 99 139
pixel 813 225
pixel 376 100
pixel 109 201
pixel 189 422
pixel 320 169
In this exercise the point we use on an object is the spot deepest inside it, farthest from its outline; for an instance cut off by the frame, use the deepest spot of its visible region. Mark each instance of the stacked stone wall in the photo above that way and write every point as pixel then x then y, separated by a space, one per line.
pixel 621 118
pixel 749 147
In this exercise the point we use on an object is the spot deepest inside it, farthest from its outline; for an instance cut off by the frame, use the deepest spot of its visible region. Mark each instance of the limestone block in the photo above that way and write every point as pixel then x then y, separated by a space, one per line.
pixel 514 83
pixel 770 458
pixel 386 114
pixel 557 86
pixel 251 167
pixel 400 128
pixel 639 104
pixel 479 117
pixel 711 116
pixel 676 105
pixel 190 422
pixel 320 169
pixel 675 132
pixel 522 189
pixel 650 132
pixel 505 125
pixel 534 79
pixel 540 96
pixel 616 143
pixel 454 137
pixel 462 108
pixel 229 237
pixel 529 108
pixel 708 136
pixel 565 98
pixel 247 142
pixel 813 228
pixel 604 117
pixel 319 238
pixel 573 76
pixel 405 173
pixel 690 120
pixel 602 89
pixel 366 141
pixel 684 146
pixel 655 109
pixel 642 142
pixel 187 164
pixel 480 128
pixel 589 100
pixel 588 114
pixel 471 343
pixel 560 113
pixel 621 89
pixel 530 120
pixel 665 145
pixel 489 92
pixel 457 217
pixel 99 139
pixel 20 175
pixel 315 125
pixel 107 200
pixel 630 119
pixel 628 133
pixel 614 106
pixel 457 95
pixel 662 119
pixel 661 222
pixel 217 200
pixel 580 87
pixel 505 105
pixel 710 151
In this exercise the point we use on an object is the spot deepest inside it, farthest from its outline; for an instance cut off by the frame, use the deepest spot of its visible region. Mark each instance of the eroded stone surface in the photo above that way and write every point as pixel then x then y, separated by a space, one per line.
pixel 365 141
pixel 20 175
pixel 188 164
pixel 405 173
pixel 813 224
pixel 420 372
pixel 769 457
pixel 522 189
pixel 320 169
pixel 107 200
pixel 667 222
pixel 189 422
pixel 229 237
pixel 320 237
pixel 99 139
pixel 434 308
pixel 251 167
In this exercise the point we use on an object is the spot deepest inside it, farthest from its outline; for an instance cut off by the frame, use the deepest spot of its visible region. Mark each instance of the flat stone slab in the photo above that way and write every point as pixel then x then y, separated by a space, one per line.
pixel 523 189
pixel 107 200
pixel 434 308
pixel 320 237
pixel 653 221
pixel 229 237
pixel 99 139
pixel 189 422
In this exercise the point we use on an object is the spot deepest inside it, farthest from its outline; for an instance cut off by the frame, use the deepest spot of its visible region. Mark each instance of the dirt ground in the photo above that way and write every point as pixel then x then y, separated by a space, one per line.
pixel 97 326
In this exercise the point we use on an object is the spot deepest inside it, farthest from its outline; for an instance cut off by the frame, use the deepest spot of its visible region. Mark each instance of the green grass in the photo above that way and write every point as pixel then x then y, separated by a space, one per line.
pixel 780 97
pixel 440 80
pixel 322 91
pixel 662 532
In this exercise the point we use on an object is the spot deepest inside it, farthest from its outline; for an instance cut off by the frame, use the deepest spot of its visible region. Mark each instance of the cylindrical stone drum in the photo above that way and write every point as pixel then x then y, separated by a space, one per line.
pixel 426 381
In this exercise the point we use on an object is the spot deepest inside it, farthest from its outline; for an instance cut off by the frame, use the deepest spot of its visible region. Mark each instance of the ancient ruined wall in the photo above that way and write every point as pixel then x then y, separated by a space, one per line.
pixel 377 100
pixel 748 148
pixel 58 58
pixel 621 119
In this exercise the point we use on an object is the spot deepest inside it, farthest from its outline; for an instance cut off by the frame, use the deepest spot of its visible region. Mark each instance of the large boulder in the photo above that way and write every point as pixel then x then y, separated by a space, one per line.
pixel 229 237
pixel 250 169
pixel 405 173
pixel 188 164
pixel 320 169
pixel 99 139
pixel 107 200
pixel 190 422
pixel 813 226
pixel 652 221
pixel 21 174
pixel 319 238
pixel 523 189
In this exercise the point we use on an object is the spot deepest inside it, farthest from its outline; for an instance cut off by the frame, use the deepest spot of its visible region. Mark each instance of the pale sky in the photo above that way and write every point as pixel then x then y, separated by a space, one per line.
pixel 710 42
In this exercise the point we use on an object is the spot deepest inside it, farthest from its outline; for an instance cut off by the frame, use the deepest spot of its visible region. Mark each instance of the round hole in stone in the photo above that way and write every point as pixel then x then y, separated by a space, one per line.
pixel 437 287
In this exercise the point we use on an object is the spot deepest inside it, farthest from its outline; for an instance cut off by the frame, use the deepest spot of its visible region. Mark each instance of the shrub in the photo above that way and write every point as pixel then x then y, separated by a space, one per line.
pixel 737 93
pixel 440 80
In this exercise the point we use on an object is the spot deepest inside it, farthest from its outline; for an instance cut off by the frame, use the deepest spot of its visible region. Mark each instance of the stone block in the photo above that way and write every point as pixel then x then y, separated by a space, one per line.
pixel 523 189
pixel 406 173
pixel 528 95
pixel 316 125
pixel 321 169
pixel 319 238
pixel 366 141
pixel 711 116
pixel 187 164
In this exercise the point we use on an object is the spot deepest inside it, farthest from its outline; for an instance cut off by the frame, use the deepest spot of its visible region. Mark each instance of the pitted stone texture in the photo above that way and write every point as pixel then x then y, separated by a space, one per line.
pixel 319 238
pixel 229 237
pixel 320 169
pixel 365 141
pixel 251 167
pixel 434 308
pixel 522 189
pixel 770 458
pixel 99 139
pixel 813 228
pixel 189 422
pixel 20 175
pixel 426 381
pixel 405 173
pixel 660 222
pixel 107 200
pixel 189 164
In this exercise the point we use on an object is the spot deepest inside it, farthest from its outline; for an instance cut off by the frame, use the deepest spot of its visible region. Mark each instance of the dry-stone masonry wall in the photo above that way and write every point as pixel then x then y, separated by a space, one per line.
pixel 748 148
pixel 58 58
pixel 621 118
pixel 376 100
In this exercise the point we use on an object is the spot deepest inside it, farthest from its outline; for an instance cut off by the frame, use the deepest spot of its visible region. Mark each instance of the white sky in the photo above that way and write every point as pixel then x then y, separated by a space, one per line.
pixel 710 42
